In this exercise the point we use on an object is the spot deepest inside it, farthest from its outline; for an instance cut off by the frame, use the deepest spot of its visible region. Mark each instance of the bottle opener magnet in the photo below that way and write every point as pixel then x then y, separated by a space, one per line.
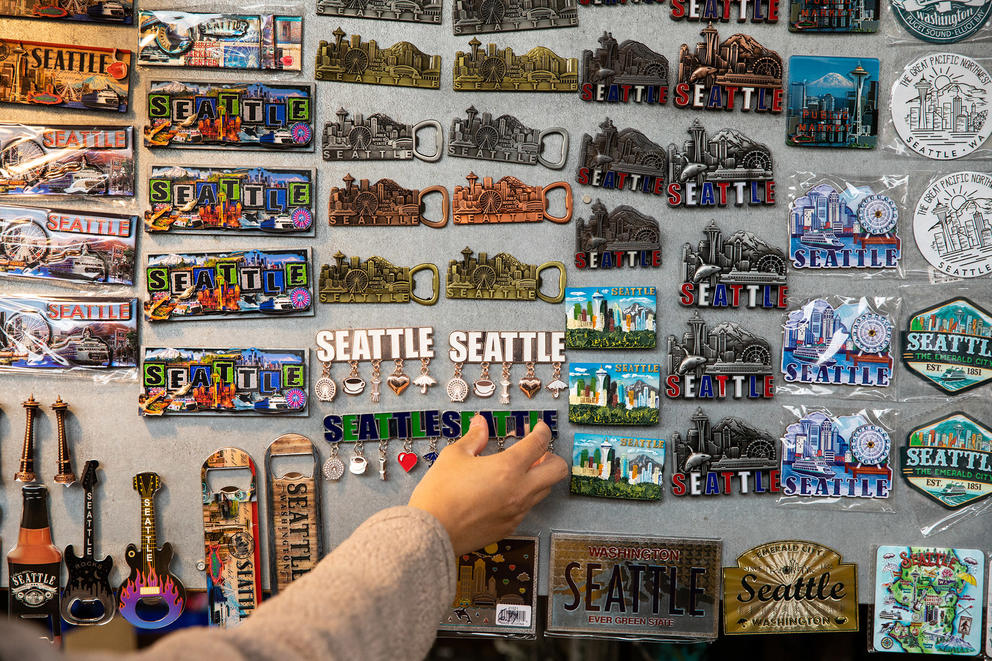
pixel 382 204
pixel 34 569
pixel 355 61
pixel 501 277
pixel 627 72
pixel 613 393
pixel 376 280
pixel 495 69
pixel 481 16
pixel 814 118
pixel 618 238
pixel 504 139
pixel 508 200
pixel 415 11
pixel 377 137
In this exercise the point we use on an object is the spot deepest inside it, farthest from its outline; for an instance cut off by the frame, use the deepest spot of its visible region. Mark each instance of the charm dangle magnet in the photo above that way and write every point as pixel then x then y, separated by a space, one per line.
pixel 494 69
pixel 505 139
pixel 333 468
pixel 407 459
pixel 425 380
pixel 431 455
pixel 376 280
pixel 353 384
pixel 529 384
pixel 324 387
pixel 382 204
pixel 353 61
pixel 375 380
pixel 508 200
pixel 415 11
pixel 358 463
pixel 557 384
pixel 627 72
pixel 481 16
pixel 815 117
pixel 622 237
pixel 501 277
pixel 484 386
pixel 398 382
pixel 501 442
pixel 457 387
pixel 383 450
pixel 377 137
pixel 504 382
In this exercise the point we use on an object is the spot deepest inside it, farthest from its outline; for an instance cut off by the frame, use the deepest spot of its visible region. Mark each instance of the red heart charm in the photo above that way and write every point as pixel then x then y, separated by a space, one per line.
pixel 407 460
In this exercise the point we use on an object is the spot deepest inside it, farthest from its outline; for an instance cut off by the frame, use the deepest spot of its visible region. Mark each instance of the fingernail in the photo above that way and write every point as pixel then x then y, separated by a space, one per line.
pixel 477 420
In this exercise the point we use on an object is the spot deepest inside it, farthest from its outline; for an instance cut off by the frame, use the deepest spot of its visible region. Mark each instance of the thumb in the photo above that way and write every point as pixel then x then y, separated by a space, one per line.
pixel 476 438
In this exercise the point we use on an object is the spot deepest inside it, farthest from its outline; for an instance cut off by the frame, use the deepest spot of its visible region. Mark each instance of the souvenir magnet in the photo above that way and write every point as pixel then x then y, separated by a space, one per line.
pixel 556 385
pixel 376 280
pixel 613 393
pixel 730 457
pixel 483 386
pixel 64 75
pixel 844 16
pixel 952 224
pixel 736 73
pixel 382 204
pixel 940 105
pixel 376 380
pixel 25 469
pixel 355 61
pixel 186 381
pixel 87 598
pixel 836 227
pixel 60 244
pixel 353 384
pixel 613 239
pixel 377 137
pixel 62 333
pixel 928 600
pixel 230 200
pixel 836 457
pixel 407 459
pixel 847 345
pixel 480 16
pixel 187 115
pixel 104 11
pixel 833 102
pixel 457 387
pixel 425 380
pixel 504 139
pixel 378 427
pixel 220 41
pixel 627 72
pixel 610 317
pixel 34 570
pixel 942 22
pixel 324 388
pixel 431 455
pixel 726 361
pixel 360 344
pixel 618 467
pixel 501 277
pixel 295 531
pixel 358 463
pixel 333 468
pixel 416 11
pixel 508 200
pixel 494 69
pixel 66 160
pixel 678 593
pixel 151 597
pixel 950 345
pixel 225 285
pixel 64 476
pixel 761 11
pixel 948 460
pixel 829 588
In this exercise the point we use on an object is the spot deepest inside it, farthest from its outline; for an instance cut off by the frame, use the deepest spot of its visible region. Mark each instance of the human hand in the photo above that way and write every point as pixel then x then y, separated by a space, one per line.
pixel 480 500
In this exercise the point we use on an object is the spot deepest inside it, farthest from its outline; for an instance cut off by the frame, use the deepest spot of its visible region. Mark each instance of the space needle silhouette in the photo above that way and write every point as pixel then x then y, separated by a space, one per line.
pixel 859 74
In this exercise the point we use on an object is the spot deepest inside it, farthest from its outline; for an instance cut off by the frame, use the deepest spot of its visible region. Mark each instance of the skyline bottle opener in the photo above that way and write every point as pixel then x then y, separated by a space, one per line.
pixel 501 277
pixel 508 200
pixel 377 137
pixel 382 204
pixel 505 139
pixel 376 280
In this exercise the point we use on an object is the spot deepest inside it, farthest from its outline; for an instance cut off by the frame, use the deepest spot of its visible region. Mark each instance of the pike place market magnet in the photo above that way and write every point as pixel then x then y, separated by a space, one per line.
pixel 611 317
pixel 739 270
pixel 382 204
pixel 480 16
pixel 377 137
pixel 790 587
pixel 724 362
pixel 833 102
pixel 185 115
pixel 220 41
pixel 508 200
pixel 952 224
pixel 834 16
pixel 225 285
pixel 942 22
pixel 697 11
pixel 61 244
pixel 625 72
pixel 624 586
pixel 831 456
pixel 736 73
pixel 849 344
pixel 494 69
pixel 727 458
pixel 355 61
pixel 376 280
pixel 618 467
pixel 928 600
pixel 185 381
pixel 64 75
pixel 66 160
pixel 950 345
pixel 838 227
pixel 940 106
pixel 613 393
pixel 415 11
pixel 617 238
pixel 100 11
pixel 949 460
pixel 207 200
pixel 504 139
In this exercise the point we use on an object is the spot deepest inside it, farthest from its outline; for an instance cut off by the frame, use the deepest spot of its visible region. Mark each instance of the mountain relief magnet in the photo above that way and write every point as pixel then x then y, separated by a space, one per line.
pixel 504 139
pixel 377 137
pixel 627 72
pixel 616 238
pixel 382 204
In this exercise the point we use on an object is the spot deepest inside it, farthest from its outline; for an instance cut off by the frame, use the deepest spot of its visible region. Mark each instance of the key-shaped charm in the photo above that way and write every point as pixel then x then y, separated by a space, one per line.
pixel 375 381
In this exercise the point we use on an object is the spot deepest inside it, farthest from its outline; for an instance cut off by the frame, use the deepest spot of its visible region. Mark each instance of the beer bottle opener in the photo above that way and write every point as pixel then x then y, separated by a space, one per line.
pixel 377 137
pixel 494 69
pixel 382 204
pixel 230 541
pixel 34 568
pixel 416 11
pixel 481 16
pixel 504 139
pixel 376 280
pixel 355 61
pixel 501 277
pixel 627 72
pixel 508 200
pixel 617 238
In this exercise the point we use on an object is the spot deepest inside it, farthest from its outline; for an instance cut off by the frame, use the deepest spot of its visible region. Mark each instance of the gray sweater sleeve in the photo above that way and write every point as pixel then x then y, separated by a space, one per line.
pixel 379 595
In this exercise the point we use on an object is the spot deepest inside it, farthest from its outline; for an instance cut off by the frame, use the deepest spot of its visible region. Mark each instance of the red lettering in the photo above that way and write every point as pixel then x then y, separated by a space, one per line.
pixel 687 297
pixel 586 94
pixel 678 9
pixel 674 194
pixel 678 484
pixel 672 387
pixel 582 176
pixel 682 95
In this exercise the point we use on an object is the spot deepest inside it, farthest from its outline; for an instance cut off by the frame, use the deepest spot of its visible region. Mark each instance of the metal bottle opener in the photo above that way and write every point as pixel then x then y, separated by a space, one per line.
pixel 382 204
pixel 505 139
pixel 508 200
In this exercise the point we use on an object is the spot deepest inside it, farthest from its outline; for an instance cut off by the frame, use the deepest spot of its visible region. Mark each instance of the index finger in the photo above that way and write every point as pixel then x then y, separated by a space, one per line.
pixel 531 447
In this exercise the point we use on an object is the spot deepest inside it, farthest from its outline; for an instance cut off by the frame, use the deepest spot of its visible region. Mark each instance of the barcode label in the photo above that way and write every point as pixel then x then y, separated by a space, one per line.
pixel 512 615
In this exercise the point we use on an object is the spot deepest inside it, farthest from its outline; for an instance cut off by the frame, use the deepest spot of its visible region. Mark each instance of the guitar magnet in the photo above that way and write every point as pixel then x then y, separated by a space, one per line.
pixel 501 277
pixel 355 61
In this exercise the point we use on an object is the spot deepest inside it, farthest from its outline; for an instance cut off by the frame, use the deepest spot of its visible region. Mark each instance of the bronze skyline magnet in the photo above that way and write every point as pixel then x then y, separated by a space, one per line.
pixel 354 61
pixel 413 11
pixel 377 137
pixel 504 139
pixel 500 70
pixel 501 277
pixel 479 16
pixel 627 72
pixel 508 200
pixel 376 280
pixel 382 204
pixel 615 238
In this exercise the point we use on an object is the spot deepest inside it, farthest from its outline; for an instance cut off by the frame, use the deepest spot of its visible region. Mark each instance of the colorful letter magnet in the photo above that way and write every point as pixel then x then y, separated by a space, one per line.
pixel 382 204
pixel 729 457
pixel 627 72
pixel 617 238
pixel 479 16
pixel 376 280
pixel 611 317
pixel 400 65
pixel 949 460
pixel 377 137
pixel 61 244
pixel 228 115
pixel 220 41
pixel 928 600
pixel 64 75
pixel 225 285
pixel 736 73
pixel 613 393
pixel 62 333
pixel 694 11
pixel 843 16
pixel 942 23
pixel 66 160
pixel 102 11
pixel 618 467
pixel 501 277
pixel 739 270
pixel 503 139
pixel 500 70
pixel 726 361
pixel 836 227
pixel 508 200
pixel 415 11
pixel 848 345
pixel 833 102
pixel 952 224
pixel 208 200
pixel 950 345
pixel 181 381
